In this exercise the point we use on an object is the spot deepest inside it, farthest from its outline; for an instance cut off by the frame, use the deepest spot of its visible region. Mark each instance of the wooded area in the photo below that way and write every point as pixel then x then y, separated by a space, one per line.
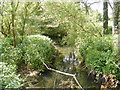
pixel 39 41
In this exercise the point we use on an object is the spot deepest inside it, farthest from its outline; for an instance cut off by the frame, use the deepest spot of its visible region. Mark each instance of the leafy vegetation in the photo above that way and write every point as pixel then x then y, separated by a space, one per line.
pixel 27 30
pixel 31 51
pixel 99 55
pixel 8 76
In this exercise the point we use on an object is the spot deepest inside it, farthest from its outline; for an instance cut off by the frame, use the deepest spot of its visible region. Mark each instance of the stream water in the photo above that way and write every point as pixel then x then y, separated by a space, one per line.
pixel 70 64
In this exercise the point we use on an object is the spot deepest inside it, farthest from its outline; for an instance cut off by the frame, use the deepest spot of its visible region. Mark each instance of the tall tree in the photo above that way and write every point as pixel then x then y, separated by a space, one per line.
pixel 105 16
pixel 116 16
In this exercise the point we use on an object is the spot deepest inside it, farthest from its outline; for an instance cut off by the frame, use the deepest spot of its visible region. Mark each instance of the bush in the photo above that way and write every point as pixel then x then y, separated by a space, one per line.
pixel 30 51
pixel 100 61
pixel 98 54
pixel 38 48
pixel 8 76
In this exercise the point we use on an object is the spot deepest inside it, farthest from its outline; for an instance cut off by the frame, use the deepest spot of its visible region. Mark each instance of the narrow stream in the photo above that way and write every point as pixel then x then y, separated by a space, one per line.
pixel 70 64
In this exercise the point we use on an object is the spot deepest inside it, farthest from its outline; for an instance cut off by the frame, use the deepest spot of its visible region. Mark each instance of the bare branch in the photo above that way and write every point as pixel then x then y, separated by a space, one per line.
pixel 87 30
pixel 93 3
pixel 96 28
pixel 17 6
pixel 110 4
pixel 64 73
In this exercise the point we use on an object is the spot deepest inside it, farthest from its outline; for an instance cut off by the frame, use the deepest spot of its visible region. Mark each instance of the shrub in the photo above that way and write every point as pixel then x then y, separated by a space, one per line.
pixel 30 51
pixel 100 61
pixel 8 76
pixel 101 44
pixel 38 48
pixel 98 54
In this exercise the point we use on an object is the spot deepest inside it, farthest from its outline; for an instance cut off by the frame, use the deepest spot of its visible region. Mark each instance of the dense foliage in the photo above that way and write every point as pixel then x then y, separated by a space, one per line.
pixel 99 55
pixel 30 51
pixel 8 76
pixel 70 21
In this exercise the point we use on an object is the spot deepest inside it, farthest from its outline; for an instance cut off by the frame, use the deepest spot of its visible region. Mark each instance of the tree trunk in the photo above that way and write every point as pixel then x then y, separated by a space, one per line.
pixel 13 25
pixel 14 9
pixel 105 17
pixel 116 17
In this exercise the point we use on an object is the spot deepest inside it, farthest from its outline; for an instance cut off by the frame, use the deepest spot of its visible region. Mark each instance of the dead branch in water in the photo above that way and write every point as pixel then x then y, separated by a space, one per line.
pixel 64 73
